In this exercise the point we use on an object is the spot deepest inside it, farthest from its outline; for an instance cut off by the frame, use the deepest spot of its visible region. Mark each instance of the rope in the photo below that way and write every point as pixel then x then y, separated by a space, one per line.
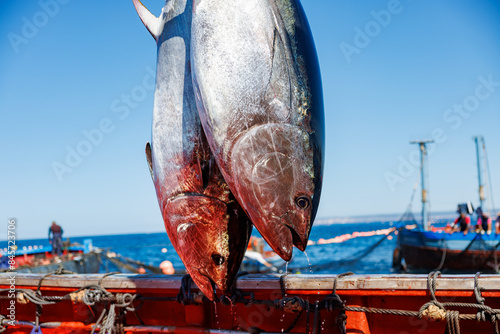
pixel 238 296
pixel 316 317
pixel 432 283
pixel 98 322
pixel 494 319
pixel 481 315
pixel 95 294
pixel 349 273
pixel 106 275
pixel 292 325
pixel 452 322
pixel 59 271
pixel 185 296
pixel 444 246
pixel 384 311
pixel 125 301
pixel 308 316
pixel 37 296
pixel 32 296
pixel 333 301
pixel 108 323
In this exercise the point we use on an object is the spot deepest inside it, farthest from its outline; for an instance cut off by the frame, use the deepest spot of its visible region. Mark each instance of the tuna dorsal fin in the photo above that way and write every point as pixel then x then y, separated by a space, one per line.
pixel 150 160
pixel 151 22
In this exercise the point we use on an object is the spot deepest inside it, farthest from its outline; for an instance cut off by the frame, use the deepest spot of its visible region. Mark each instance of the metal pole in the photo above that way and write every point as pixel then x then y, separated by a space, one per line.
pixel 425 212
pixel 482 197
pixel 423 176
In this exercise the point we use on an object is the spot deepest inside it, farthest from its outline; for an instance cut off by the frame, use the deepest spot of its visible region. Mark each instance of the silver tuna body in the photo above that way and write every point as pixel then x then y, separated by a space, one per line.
pixel 259 95
pixel 204 222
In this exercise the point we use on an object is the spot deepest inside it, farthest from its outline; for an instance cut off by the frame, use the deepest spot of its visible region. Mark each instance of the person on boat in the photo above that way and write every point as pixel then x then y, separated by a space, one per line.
pixel 55 238
pixel 462 223
pixel 497 224
pixel 484 222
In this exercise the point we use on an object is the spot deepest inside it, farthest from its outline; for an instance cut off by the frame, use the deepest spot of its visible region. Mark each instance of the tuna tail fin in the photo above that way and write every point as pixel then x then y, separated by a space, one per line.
pixel 150 160
pixel 151 22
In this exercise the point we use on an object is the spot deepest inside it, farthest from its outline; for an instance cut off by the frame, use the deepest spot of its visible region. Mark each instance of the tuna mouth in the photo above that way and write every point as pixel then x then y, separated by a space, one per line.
pixel 299 239
pixel 206 285
pixel 279 237
pixel 299 242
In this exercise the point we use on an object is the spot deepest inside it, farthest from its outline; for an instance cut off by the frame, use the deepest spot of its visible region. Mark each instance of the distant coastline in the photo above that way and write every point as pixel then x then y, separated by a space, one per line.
pixel 380 218
pixel 440 215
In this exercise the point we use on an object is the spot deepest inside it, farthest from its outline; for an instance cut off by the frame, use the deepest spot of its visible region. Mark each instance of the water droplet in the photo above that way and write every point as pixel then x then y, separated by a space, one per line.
pixel 309 261
pixel 216 315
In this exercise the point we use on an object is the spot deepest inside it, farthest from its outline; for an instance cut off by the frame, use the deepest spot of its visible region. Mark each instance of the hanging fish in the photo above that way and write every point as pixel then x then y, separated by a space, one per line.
pixel 259 94
pixel 206 225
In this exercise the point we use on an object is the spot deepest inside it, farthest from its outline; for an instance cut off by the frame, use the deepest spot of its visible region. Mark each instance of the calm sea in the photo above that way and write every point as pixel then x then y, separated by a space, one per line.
pixel 327 258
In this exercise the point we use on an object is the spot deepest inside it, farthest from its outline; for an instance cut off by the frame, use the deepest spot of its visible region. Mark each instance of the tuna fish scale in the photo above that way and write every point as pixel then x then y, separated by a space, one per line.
pixel 206 225
pixel 259 96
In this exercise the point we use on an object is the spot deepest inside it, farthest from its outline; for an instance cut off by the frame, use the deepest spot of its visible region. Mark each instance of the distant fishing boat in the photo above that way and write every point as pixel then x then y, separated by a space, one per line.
pixel 76 258
pixel 81 259
pixel 427 248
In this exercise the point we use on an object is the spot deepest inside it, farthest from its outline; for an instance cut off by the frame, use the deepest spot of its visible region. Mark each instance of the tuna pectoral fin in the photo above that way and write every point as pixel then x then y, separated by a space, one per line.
pixel 151 22
pixel 280 82
pixel 150 160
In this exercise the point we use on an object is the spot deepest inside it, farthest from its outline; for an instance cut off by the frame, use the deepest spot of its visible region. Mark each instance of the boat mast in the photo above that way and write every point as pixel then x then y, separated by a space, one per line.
pixel 480 170
pixel 423 170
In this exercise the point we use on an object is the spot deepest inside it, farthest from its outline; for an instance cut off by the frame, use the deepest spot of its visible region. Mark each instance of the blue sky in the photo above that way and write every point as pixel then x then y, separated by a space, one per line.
pixel 393 71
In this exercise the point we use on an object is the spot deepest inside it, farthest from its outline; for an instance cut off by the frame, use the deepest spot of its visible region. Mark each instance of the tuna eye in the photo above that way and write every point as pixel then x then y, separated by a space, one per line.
pixel 302 202
pixel 218 259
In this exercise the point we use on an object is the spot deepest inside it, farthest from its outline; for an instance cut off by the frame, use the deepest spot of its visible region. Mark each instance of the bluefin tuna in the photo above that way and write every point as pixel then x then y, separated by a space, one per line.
pixel 206 225
pixel 259 94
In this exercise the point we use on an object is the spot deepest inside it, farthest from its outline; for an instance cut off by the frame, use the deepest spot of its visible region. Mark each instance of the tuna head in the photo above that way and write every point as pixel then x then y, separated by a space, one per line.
pixel 205 233
pixel 276 183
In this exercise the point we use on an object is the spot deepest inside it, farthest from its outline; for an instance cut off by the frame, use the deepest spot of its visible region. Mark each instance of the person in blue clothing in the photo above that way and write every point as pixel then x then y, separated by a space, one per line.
pixel 55 238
